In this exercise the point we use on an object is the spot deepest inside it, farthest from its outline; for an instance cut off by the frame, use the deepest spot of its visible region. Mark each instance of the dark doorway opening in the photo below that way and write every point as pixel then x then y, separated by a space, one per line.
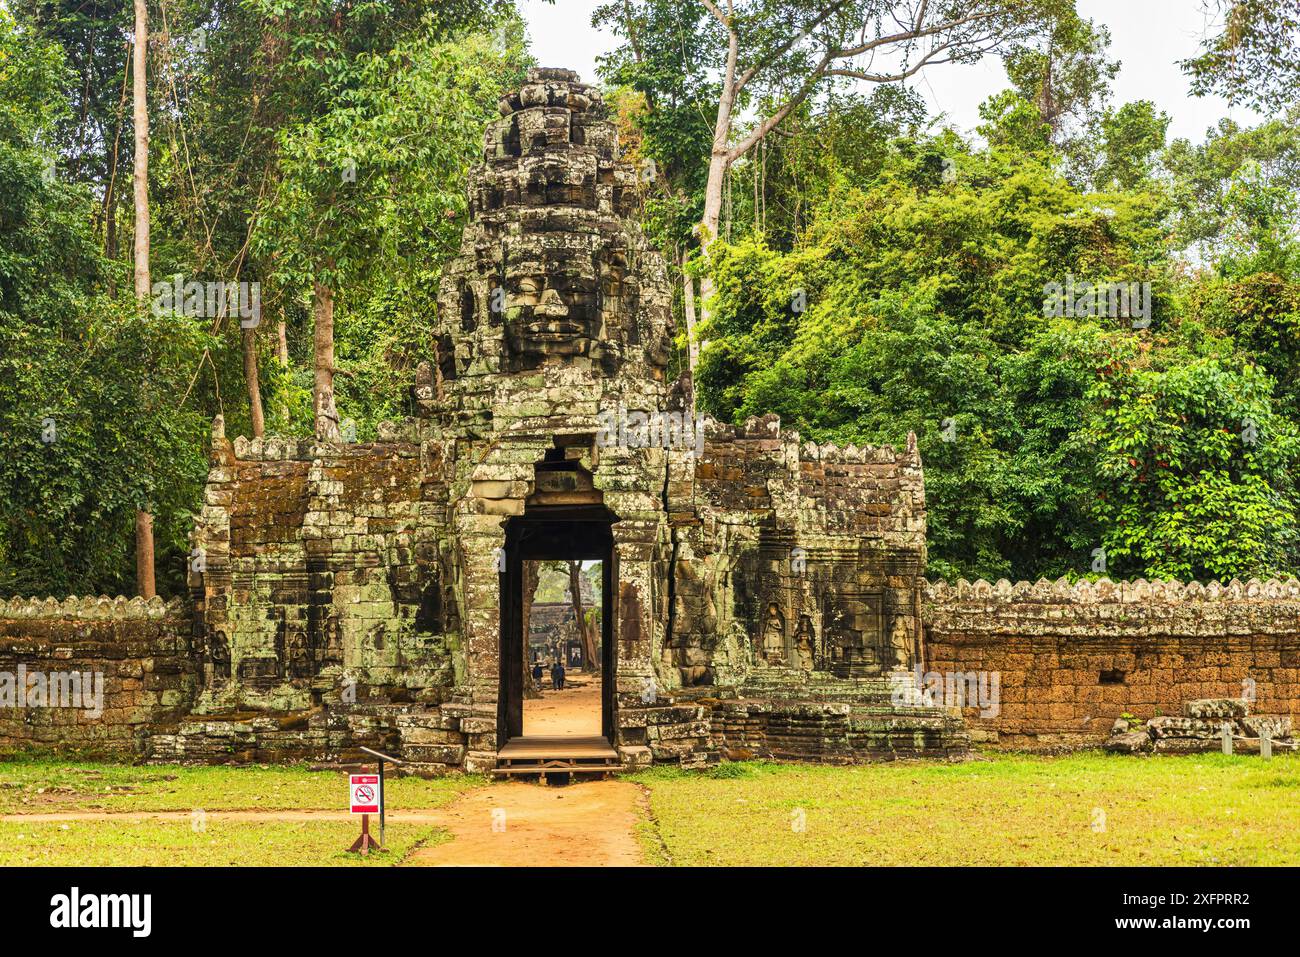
pixel 553 533
pixel 563 672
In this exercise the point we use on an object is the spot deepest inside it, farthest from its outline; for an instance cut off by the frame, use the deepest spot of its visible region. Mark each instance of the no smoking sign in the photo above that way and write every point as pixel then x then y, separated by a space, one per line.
pixel 365 793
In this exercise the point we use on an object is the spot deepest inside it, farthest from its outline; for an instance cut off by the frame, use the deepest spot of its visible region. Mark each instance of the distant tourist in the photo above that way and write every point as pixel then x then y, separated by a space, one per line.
pixel 557 675
pixel 537 672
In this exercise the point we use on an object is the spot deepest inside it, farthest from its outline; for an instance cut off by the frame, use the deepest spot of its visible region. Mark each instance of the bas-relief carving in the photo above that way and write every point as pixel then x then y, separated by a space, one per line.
pixel 218 658
pixel 805 644
pixel 772 635
pixel 854 634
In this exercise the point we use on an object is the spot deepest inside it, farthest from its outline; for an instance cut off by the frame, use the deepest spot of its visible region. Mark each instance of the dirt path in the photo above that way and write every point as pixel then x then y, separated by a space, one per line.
pixel 270 816
pixel 508 824
pixel 575 710
pixel 513 824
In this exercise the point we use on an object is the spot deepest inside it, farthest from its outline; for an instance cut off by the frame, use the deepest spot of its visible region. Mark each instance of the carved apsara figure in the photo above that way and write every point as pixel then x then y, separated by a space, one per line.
pixel 773 635
pixel 298 663
pixel 219 653
pixel 805 644
pixel 900 641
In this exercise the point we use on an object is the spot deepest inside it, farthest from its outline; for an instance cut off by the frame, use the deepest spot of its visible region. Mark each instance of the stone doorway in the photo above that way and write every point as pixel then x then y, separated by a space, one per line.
pixel 563 655
pixel 553 533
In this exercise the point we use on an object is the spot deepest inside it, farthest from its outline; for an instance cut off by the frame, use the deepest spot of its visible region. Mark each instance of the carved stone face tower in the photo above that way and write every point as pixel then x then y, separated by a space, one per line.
pixel 757 591
pixel 555 311
pixel 552 272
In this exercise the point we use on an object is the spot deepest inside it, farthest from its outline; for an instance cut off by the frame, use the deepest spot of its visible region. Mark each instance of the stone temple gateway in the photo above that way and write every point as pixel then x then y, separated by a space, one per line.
pixel 758 591
pixel 762 597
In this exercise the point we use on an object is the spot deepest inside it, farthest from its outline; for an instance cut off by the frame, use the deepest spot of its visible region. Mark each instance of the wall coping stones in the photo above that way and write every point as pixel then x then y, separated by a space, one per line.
pixel 119 608
pixel 1106 591
pixel 278 448
pixel 768 427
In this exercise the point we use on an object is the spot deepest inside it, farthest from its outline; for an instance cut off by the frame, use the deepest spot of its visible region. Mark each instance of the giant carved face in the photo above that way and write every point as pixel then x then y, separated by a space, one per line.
pixel 551 306
pixel 553 269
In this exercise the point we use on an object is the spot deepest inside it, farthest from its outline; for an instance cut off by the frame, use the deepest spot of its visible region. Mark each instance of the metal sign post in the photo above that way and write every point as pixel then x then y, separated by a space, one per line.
pixel 382 793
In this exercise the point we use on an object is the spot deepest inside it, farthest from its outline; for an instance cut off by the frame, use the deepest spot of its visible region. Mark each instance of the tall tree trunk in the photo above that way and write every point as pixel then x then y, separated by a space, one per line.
pixel 719 163
pixel 144 550
pixel 282 342
pixel 688 307
pixel 144 576
pixel 110 188
pixel 140 116
pixel 249 336
pixel 531 574
pixel 327 416
pixel 282 356
pixel 591 659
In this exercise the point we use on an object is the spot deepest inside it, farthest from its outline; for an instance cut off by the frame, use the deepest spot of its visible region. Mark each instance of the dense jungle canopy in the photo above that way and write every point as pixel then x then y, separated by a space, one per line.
pixel 1092 327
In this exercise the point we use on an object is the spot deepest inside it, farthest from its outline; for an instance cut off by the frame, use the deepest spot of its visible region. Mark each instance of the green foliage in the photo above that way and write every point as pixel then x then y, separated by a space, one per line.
pixel 1261 313
pixel 1132 138
pixel 1234 194
pixel 925 312
pixel 1012 122
pixel 668 63
pixel 1193 470
pixel 1066 75
pixel 371 201
pixel 91 43
pixel 245 184
pixel 91 386
pixel 848 140
pixel 1255 59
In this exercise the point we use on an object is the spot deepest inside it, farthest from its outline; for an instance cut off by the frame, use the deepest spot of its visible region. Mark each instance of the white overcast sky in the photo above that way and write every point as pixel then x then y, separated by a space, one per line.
pixel 1148 37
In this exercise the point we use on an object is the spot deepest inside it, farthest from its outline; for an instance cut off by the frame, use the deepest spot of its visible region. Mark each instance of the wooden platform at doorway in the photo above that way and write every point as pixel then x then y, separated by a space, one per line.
pixel 563 754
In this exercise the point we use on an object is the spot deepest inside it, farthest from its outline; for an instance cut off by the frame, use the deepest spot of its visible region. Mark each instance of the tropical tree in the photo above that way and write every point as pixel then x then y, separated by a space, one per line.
pixel 1254 59
pixel 1193 471
pixel 375 117
pixel 91 385
pixel 774 55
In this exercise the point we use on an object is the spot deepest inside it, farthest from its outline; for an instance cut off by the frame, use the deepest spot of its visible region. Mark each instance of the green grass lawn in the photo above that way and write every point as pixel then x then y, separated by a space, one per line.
pixel 49 786
pixel 28 786
pixel 1087 808
pixel 216 843
pixel 1083 809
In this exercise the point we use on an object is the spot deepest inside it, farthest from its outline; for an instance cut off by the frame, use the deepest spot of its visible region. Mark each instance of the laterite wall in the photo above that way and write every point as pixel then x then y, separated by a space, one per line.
pixel 1071 659
pixel 141 649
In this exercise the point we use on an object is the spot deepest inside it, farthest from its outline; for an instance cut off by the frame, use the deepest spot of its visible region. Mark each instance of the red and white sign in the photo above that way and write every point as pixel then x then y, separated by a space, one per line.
pixel 365 793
